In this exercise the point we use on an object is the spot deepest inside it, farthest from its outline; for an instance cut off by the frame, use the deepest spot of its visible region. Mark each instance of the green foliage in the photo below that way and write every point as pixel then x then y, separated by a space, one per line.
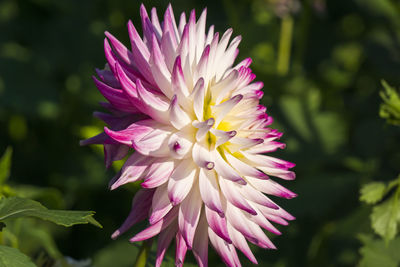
pixel 385 217
pixel 28 234
pixel 303 112
pixel 141 258
pixel 114 254
pixel 12 257
pixel 326 101
pixel 15 207
pixel 372 192
pixel 390 108
pixel 5 165
pixel 376 253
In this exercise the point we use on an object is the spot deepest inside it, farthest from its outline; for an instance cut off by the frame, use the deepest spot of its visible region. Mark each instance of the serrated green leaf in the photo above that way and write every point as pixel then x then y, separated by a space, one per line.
pixel 12 257
pixel 14 207
pixel 373 192
pixel 390 108
pixel 5 165
pixel 384 218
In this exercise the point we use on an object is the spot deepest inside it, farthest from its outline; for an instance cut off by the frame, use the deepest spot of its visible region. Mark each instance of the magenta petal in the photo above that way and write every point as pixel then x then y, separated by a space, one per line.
pixel 226 251
pixel 181 250
pixel 140 206
pixel 233 195
pixel 97 139
pixel 116 97
pixel 217 224
pixel 163 242
pixel 113 153
pixel 132 171
pixel 158 173
pixel 240 242
pixel 156 228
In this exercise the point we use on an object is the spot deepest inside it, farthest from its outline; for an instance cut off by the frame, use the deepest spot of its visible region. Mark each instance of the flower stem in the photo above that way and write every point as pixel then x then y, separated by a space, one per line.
pixel 285 44
pixel 143 254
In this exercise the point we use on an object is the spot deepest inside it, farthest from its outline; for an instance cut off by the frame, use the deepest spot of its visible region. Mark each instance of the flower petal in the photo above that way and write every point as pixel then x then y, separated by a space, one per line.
pixel 225 170
pixel 217 224
pixel 226 251
pixel 240 242
pixel 160 204
pixel 158 173
pixel 189 215
pixel 139 211
pixel 209 190
pixel 177 116
pixel 202 156
pixel 200 244
pixel 232 194
pixel 181 249
pixel 156 228
pixel 181 181
pixel 163 242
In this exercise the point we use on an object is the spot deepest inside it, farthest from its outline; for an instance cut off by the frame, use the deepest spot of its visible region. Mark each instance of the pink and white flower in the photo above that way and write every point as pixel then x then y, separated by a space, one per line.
pixel 197 136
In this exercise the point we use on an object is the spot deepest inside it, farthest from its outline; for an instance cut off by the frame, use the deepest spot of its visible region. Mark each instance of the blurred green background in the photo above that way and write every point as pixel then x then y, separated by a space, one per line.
pixel 321 62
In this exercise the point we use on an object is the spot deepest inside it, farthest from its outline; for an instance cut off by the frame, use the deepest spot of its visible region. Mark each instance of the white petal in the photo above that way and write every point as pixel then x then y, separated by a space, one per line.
pixel 202 156
pixel 209 190
pixel 181 181
pixel 189 214
pixel 178 117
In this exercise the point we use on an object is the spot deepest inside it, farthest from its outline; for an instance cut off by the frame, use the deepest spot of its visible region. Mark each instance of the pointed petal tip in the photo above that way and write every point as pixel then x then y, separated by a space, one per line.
pixel 82 143
pixel 115 235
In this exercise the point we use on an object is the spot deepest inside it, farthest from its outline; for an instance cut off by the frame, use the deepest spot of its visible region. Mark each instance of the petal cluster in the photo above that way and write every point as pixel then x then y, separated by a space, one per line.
pixel 190 123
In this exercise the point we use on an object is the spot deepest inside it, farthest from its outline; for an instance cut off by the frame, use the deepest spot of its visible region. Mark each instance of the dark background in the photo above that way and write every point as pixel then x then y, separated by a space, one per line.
pixel 327 104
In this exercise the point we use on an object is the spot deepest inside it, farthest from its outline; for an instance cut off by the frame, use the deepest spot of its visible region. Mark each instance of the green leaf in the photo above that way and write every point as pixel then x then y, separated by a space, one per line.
pixel 373 192
pixel 385 218
pixel 390 108
pixel 143 254
pixel 50 197
pixel 375 252
pixel 35 237
pixel 5 165
pixel 115 253
pixel 12 257
pixel 14 207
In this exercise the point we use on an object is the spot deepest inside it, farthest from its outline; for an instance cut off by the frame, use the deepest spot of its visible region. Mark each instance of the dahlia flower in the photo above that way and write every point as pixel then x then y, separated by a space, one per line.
pixel 193 129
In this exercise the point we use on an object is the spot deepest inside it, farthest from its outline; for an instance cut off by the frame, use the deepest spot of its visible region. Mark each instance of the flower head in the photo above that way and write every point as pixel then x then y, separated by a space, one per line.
pixel 197 133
